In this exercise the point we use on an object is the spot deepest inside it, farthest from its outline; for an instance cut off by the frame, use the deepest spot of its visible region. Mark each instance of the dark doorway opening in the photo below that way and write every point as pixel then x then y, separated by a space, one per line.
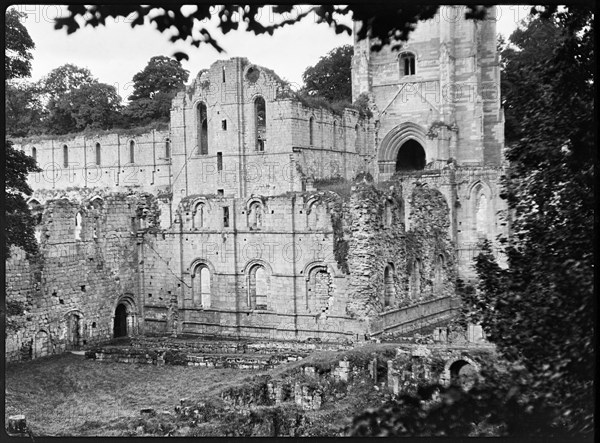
pixel 74 340
pixel 120 329
pixel 411 156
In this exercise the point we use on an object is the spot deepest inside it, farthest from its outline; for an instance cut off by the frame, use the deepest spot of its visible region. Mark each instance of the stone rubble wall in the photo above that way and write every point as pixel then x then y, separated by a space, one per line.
pixel 70 290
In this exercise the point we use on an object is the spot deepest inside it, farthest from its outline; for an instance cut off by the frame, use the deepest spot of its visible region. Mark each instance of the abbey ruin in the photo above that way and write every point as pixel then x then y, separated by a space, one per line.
pixel 257 215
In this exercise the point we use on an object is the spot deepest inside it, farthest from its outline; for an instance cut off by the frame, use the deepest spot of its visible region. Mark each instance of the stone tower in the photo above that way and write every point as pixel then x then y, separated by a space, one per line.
pixel 438 116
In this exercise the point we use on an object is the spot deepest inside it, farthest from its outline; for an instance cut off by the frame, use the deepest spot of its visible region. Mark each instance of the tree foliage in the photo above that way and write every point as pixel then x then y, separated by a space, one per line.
pixel 154 89
pixel 161 74
pixel 94 106
pixel 18 46
pixel 331 77
pixel 19 223
pixel 539 311
pixel 23 109
pixel 75 100
pixel 387 23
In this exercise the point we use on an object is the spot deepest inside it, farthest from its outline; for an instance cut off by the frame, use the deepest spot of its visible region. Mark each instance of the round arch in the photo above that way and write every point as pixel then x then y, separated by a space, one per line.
pixel 453 365
pixel 124 316
pixel 311 266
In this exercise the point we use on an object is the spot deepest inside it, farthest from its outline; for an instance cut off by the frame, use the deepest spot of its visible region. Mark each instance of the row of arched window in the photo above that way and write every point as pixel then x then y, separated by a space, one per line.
pixel 98 153
pixel 260 126
pixel 319 287
pixel 316 216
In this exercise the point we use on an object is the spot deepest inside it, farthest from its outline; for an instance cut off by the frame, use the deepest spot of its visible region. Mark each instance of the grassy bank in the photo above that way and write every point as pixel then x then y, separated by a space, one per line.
pixel 69 395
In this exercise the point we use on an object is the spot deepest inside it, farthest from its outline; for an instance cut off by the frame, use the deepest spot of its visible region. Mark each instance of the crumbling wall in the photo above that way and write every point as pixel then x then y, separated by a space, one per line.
pixel 376 224
pixel 88 261
pixel 429 246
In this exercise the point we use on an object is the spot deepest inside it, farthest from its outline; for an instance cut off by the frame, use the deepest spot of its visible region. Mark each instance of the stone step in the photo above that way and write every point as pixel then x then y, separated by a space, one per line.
pixel 211 360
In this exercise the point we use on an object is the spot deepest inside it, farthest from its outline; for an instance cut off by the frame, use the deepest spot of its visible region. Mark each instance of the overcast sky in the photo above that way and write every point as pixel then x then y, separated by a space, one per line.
pixel 116 52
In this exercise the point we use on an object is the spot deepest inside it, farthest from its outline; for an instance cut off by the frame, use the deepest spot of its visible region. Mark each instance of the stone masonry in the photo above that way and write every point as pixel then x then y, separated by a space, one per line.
pixel 257 215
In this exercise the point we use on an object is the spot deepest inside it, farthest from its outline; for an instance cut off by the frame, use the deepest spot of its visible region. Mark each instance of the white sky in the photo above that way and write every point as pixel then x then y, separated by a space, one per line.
pixel 116 52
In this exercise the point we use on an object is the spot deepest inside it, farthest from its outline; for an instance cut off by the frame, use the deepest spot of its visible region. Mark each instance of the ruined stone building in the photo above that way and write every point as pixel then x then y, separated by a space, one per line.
pixel 259 215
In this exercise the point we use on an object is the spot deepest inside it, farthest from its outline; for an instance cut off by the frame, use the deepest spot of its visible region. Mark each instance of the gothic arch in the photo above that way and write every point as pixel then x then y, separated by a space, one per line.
pixel 481 210
pixel 395 139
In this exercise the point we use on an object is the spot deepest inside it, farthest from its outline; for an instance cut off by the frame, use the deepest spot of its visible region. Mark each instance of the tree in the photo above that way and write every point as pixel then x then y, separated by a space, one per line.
pixel 384 22
pixel 331 77
pixel 96 106
pixel 19 225
pixel 65 79
pixel 154 89
pixel 17 56
pixel 161 74
pixel 540 310
pixel 57 88
pixel 23 109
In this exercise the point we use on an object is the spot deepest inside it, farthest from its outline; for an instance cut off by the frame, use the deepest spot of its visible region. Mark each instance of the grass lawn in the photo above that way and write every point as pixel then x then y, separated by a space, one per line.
pixel 70 395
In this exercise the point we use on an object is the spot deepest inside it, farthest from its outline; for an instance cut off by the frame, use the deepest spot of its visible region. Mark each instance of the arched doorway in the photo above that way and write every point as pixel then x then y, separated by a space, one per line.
pixel 120 326
pixel 41 344
pixel 74 333
pixel 411 156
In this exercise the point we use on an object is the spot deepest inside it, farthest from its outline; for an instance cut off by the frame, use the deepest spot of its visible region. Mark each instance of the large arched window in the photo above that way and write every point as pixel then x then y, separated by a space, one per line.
pixel 65 156
pixel 255 215
pixel 311 131
pixel 258 287
pixel 98 154
pixel 201 286
pixel 198 216
pixel 260 120
pixel 131 151
pixel 34 154
pixel 407 64
pixel 202 131
pixel 388 285
pixel 357 138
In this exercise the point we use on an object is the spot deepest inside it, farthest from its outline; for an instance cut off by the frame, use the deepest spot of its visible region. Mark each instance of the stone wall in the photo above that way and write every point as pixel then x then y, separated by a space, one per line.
pixel 101 161
pixel 70 291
